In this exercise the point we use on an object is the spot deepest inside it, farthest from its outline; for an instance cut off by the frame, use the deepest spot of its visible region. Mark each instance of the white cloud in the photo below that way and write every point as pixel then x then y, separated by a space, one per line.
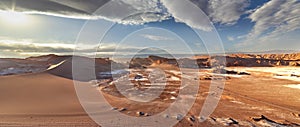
pixel 27 47
pixel 283 16
pixel 185 11
pixel 66 15
pixel 229 38
pixel 155 37
pixel 120 11
pixel 227 11
pixel 51 7
pixel 272 20
pixel 133 11
pixel 30 46
pixel 136 11
pixel 223 11
pixel 188 13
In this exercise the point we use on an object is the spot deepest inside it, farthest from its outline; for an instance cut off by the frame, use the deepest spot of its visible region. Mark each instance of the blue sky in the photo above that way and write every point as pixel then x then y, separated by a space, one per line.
pixel 243 26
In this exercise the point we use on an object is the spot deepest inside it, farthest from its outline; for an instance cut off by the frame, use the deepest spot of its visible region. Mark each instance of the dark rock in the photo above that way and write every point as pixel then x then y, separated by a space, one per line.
pixel 272 122
pixel 138 77
pixel 179 116
pixel 293 75
pixel 140 113
pixel 192 118
pixel 244 73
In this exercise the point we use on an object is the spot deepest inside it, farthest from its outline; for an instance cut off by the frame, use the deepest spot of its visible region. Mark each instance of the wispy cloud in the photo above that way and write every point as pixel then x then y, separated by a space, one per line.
pixel 30 46
pixel 66 8
pixel 227 12
pixel 128 11
pixel 156 37
pixel 283 16
pixel 27 47
pixel 272 21
pixel 218 11
pixel 230 38
pixel 135 11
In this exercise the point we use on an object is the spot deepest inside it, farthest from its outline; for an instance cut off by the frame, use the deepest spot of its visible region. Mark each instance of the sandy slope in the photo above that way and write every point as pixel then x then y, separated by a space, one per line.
pixel 37 94
pixel 40 99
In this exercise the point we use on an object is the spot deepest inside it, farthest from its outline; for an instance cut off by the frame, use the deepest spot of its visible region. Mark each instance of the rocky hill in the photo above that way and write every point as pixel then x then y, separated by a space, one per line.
pixel 43 63
pixel 204 61
pixel 262 60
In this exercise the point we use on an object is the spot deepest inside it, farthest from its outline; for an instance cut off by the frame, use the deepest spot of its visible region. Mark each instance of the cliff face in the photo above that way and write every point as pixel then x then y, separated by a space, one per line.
pixel 263 60
pixel 244 60
pixel 294 56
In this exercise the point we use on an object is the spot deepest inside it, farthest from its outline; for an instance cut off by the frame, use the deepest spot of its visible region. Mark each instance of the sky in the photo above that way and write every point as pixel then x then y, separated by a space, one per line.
pixel 31 27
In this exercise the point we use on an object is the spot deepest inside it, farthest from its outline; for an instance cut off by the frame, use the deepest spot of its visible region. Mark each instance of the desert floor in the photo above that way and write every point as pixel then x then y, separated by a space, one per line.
pixel 259 99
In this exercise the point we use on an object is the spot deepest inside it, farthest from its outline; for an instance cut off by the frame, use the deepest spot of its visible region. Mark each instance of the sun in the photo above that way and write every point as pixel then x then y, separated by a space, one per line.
pixel 15 18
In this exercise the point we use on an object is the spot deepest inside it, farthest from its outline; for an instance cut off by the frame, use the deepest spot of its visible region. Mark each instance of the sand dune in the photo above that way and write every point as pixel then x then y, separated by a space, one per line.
pixel 83 68
pixel 40 93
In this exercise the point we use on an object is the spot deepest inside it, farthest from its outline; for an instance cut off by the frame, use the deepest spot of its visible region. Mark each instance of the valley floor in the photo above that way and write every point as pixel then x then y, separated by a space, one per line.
pixel 260 99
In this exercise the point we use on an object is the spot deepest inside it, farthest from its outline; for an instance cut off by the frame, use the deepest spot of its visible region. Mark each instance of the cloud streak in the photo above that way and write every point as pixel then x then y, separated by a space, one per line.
pixel 26 46
pixel 135 11
pixel 66 8
pixel 278 14
pixel 272 21
pixel 29 47
pixel 156 38
pixel 227 12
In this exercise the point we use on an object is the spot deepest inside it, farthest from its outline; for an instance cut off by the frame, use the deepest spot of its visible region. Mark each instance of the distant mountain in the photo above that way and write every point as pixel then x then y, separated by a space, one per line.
pixel 237 59
pixel 62 65
pixel 267 52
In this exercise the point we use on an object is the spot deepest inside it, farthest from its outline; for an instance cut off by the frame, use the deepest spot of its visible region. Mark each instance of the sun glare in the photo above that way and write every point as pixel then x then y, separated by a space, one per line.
pixel 15 18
